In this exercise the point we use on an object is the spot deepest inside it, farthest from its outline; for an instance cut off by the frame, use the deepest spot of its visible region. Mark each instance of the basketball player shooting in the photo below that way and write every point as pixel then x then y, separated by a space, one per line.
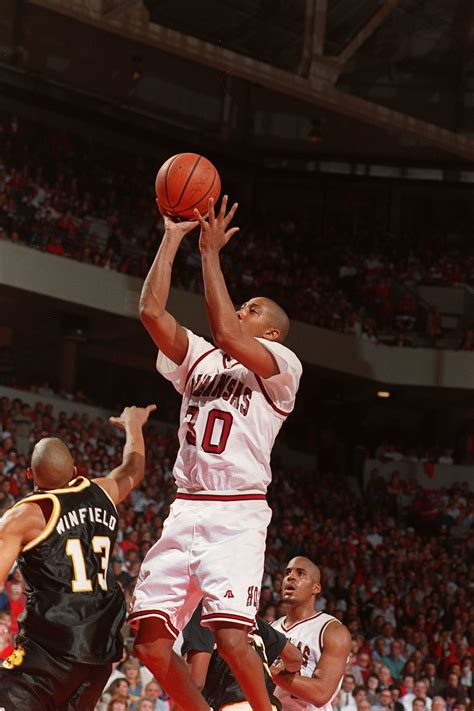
pixel 236 395
pixel 324 642
pixel 62 536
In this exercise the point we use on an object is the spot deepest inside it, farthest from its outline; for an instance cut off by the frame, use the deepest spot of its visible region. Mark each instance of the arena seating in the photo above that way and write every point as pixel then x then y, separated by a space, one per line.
pixel 65 195
pixel 397 560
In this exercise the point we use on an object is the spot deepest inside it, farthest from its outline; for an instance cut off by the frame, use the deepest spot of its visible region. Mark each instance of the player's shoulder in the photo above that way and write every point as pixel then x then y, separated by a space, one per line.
pixel 283 352
pixel 23 515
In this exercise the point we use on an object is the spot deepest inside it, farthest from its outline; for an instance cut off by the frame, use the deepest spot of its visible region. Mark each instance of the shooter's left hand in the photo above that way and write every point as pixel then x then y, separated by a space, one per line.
pixel 215 233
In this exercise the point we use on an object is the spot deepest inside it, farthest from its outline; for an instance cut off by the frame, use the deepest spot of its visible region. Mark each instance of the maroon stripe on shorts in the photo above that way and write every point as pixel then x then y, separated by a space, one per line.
pixel 215 616
pixel 135 616
pixel 222 497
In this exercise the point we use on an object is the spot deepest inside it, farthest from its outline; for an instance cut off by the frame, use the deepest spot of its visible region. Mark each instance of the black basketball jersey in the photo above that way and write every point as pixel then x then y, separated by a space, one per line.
pixel 74 607
pixel 221 687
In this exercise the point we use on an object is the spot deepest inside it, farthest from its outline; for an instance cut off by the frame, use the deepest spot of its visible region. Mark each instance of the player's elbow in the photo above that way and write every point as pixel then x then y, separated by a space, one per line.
pixel 149 313
pixel 320 697
pixel 224 340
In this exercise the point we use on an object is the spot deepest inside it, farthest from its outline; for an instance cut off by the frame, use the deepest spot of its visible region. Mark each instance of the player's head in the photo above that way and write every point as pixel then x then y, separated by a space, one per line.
pixel 302 581
pixel 264 318
pixel 52 465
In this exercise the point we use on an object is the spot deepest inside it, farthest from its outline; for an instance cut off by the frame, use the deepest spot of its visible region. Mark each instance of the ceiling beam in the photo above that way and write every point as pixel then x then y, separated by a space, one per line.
pixel 368 30
pixel 120 8
pixel 314 35
pixel 318 90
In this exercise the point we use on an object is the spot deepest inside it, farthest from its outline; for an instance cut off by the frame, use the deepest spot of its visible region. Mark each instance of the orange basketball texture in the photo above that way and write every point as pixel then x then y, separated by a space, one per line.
pixel 185 182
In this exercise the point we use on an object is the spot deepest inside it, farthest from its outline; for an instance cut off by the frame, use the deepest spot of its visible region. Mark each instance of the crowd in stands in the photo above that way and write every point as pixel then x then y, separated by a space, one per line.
pixel 65 195
pixel 396 560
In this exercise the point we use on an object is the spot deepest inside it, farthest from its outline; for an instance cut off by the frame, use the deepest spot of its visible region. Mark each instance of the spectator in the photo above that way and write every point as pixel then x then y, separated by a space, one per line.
pixel 385 701
pixel 394 661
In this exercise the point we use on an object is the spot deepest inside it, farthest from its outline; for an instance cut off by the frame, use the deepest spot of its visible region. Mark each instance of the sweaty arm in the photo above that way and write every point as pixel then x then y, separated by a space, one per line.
pixel 320 688
pixel 121 480
pixel 166 332
pixel 18 526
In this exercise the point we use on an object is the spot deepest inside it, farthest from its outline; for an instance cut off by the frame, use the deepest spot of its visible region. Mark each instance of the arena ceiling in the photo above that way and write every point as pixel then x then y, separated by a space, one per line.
pixel 401 68
pixel 420 47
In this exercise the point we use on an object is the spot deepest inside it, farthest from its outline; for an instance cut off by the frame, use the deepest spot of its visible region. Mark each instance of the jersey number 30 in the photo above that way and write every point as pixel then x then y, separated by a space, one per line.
pixel 80 582
pixel 212 442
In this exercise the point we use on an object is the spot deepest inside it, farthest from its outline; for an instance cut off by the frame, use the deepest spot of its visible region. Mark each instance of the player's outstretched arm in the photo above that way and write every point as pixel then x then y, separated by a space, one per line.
pixel 223 320
pixel 166 332
pixel 18 526
pixel 320 688
pixel 121 480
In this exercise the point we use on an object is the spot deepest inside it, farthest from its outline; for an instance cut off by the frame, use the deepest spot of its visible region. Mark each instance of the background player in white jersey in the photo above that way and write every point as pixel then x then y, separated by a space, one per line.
pixel 236 395
pixel 322 640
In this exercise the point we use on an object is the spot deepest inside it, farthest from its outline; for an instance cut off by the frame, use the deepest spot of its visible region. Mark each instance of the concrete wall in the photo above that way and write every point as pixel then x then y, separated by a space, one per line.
pixel 443 474
pixel 25 268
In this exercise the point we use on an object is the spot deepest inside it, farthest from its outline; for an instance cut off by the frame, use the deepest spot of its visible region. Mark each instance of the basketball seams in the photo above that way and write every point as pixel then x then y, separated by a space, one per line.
pixel 171 197
pixel 168 202
pixel 186 183
pixel 203 197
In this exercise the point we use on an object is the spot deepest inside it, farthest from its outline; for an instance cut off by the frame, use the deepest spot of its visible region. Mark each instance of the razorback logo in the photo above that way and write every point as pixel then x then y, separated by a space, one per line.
pixel 229 593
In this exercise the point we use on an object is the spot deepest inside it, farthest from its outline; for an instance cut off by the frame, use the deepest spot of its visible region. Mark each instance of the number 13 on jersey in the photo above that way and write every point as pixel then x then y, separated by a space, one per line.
pixel 80 582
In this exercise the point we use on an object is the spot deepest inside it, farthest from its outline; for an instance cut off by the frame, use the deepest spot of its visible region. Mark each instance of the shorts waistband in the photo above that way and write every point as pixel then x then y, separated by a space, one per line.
pixel 213 496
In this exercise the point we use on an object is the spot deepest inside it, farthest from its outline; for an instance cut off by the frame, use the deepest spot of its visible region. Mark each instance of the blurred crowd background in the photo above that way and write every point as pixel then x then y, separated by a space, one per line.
pixel 396 559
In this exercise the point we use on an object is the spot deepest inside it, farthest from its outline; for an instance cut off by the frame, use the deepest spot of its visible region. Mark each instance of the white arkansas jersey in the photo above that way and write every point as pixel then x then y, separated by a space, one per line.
pixel 229 418
pixel 308 636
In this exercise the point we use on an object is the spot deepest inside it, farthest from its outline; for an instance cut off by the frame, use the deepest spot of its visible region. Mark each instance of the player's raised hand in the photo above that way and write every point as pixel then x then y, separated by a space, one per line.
pixel 178 230
pixel 132 415
pixel 215 232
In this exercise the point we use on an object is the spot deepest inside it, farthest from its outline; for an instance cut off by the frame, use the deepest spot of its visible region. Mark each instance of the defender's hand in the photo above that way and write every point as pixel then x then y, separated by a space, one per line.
pixel 214 233
pixel 137 415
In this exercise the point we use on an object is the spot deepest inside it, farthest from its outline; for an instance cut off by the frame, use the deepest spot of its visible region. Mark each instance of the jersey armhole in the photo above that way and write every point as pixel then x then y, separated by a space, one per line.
pixel 104 491
pixel 323 630
pixel 50 524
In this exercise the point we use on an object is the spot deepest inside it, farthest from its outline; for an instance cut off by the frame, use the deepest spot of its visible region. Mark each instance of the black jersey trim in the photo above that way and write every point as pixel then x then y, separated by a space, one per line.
pixel 95 481
pixel 51 523
pixel 73 486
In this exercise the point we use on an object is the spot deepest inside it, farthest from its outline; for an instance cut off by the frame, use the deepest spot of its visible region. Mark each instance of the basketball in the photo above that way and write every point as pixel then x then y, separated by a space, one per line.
pixel 185 182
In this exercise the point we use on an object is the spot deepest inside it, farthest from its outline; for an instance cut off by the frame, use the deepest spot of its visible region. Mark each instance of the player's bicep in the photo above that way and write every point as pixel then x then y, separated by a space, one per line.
pixel 168 335
pixel 118 484
pixel 332 663
pixel 11 541
pixel 252 354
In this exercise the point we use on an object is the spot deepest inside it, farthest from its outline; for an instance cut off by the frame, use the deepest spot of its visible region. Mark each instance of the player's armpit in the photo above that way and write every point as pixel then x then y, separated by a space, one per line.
pixel 168 335
pixel 198 663
pixel 18 526
pixel 250 352
pixel 320 688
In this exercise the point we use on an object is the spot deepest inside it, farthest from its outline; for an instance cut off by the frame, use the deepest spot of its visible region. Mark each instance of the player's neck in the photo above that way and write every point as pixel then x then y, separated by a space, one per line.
pixel 297 613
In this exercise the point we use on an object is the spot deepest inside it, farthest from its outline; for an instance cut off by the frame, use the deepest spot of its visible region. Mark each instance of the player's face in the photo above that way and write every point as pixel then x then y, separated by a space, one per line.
pixel 299 585
pixel 254 317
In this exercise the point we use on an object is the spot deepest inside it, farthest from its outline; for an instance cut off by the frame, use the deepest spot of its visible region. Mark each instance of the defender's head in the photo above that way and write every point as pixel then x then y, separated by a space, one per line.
pixel 302 581
pixel 52 465
pixel 263 318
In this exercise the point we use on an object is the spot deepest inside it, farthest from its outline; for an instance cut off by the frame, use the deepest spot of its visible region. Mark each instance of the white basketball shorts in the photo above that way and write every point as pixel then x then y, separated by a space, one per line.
pixel 211 549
